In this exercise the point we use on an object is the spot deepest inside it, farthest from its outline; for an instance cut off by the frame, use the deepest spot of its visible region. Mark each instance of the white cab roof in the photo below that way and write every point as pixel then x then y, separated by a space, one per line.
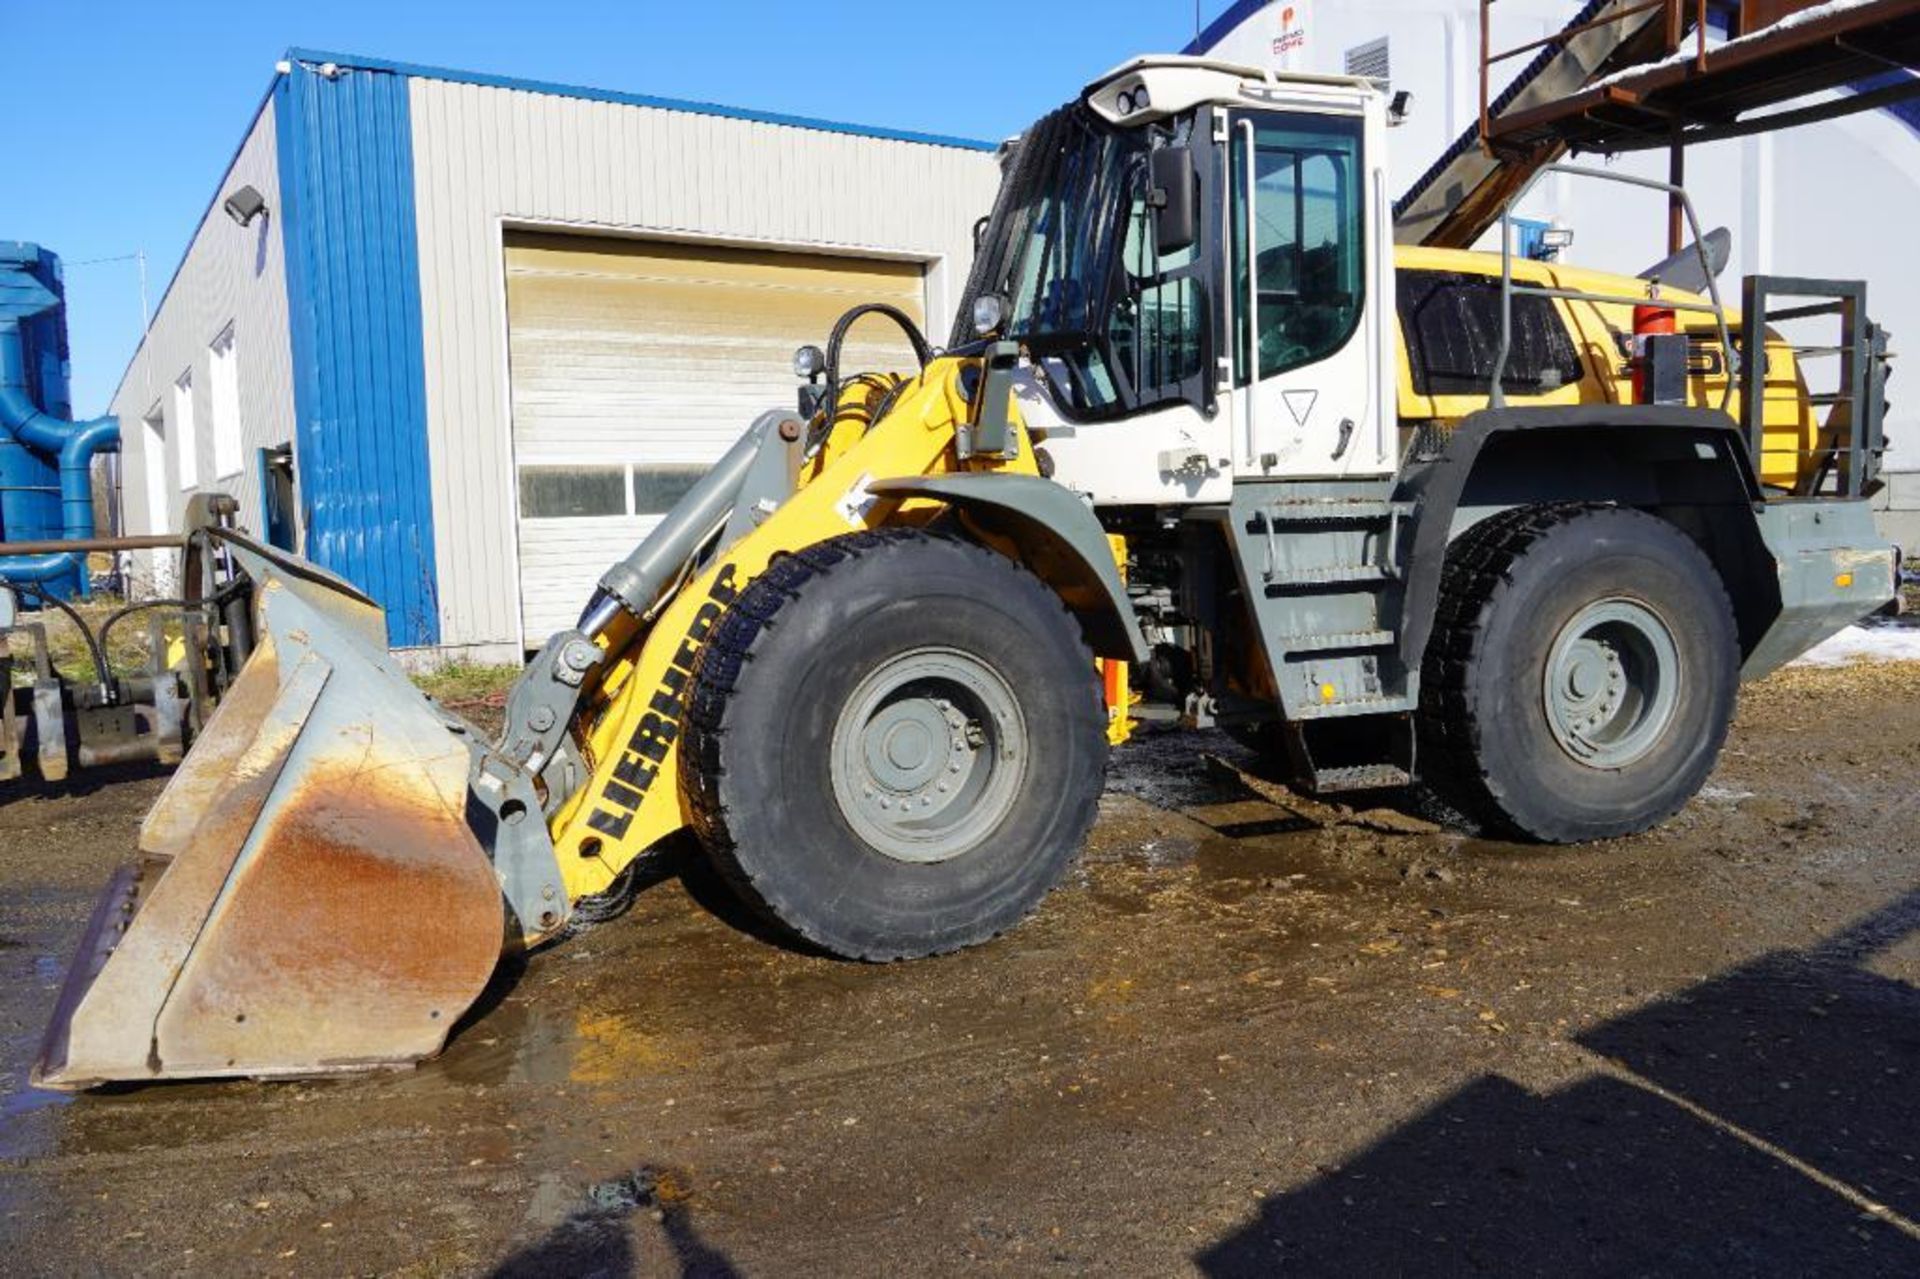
pixel 1176 83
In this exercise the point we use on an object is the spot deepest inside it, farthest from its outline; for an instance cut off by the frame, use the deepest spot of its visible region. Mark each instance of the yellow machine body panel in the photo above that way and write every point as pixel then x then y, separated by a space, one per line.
pixel 633 800
pixel 1789 429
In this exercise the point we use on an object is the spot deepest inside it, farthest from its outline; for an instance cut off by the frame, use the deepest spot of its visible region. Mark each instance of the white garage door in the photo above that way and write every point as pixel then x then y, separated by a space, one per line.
pixel 635 364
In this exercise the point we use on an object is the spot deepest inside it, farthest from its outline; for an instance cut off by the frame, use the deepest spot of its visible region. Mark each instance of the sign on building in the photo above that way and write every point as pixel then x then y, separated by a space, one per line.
pixel 1278 36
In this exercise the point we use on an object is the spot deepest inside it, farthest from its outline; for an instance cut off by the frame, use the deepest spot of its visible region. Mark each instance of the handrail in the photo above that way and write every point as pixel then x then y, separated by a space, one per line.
pixel 1860 380
pixel 1675 15
pixel 1253 292
pixel 1497 396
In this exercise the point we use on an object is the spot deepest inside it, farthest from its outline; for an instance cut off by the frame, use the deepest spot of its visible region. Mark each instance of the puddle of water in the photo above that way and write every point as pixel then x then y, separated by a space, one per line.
pixel 1266 862
pixel 1166 767
pixel 526 1041
pixel 22 1136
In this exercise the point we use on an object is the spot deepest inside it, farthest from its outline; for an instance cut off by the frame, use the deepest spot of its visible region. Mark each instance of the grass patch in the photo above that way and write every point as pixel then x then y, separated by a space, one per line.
pixel 459 683
pixel 68 650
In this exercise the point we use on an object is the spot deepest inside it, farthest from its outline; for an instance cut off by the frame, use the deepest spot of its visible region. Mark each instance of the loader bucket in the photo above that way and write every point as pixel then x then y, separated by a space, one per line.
pixel 309 897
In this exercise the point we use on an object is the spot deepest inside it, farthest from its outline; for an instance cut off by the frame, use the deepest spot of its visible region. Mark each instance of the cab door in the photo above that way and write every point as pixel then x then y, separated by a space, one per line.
pixel 1310 363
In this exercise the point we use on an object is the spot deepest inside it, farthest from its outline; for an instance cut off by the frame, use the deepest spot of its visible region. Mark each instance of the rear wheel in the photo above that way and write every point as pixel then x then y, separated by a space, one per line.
pixel 895 744
pixel 1581 675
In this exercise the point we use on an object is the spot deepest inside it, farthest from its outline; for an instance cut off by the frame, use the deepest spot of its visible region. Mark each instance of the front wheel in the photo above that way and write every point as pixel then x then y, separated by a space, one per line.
pixel 1582 673
pixel 895 745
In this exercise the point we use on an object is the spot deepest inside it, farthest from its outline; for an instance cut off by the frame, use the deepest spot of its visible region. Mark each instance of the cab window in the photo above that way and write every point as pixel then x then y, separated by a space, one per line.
pixel 1309 238
pixel 1155 329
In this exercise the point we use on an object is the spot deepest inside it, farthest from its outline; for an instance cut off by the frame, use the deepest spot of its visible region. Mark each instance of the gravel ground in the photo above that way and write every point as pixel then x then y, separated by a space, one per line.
pixel 1238 1040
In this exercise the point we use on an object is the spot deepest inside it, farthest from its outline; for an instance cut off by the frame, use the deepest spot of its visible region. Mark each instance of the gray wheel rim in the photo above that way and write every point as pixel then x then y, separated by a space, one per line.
pixel 1612 683
pixel 928 755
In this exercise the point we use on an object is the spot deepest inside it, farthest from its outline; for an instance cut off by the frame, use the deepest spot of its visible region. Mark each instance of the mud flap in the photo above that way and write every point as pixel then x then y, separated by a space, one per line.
pixel 310 897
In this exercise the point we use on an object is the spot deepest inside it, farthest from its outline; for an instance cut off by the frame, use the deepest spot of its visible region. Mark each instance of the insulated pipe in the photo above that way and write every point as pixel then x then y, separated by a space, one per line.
pixel 74 443
pixel 101 435
pixel 37 568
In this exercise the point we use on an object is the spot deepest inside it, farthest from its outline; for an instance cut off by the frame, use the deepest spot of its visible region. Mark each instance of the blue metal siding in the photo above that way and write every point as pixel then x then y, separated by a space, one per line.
pixel 353 285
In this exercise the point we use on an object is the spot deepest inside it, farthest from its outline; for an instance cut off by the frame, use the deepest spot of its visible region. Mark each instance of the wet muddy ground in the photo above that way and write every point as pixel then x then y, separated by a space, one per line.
pixel 1235 1041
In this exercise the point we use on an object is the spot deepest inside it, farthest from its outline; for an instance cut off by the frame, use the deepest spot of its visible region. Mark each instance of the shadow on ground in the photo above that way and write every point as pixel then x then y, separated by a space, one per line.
pixel 1763 1122
pixel 596 1239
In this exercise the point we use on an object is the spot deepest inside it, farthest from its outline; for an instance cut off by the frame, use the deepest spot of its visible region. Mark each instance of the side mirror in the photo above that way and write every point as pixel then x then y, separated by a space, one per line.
pixel 1175 226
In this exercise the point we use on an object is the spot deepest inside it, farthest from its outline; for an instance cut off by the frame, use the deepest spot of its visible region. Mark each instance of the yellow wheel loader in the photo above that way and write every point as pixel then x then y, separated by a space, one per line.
pixel 1510 527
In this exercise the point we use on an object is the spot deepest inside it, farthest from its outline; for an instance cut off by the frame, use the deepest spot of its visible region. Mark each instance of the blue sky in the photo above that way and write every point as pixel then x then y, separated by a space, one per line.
pixel 137 106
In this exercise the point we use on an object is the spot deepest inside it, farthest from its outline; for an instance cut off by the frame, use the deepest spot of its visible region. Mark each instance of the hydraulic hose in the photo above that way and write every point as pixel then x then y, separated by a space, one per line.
pixel 922 349
pixel 95 652
pixel 106 627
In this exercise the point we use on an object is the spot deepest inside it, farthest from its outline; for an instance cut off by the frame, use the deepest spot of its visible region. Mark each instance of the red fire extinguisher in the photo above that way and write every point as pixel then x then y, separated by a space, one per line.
pixel 1649 318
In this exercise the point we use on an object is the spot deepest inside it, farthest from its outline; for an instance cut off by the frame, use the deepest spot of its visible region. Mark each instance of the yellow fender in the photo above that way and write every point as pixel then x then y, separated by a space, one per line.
pixel 633 798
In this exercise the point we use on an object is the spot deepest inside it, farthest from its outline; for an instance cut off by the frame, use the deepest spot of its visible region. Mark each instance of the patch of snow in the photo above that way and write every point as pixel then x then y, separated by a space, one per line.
pixel 1864 644
pixel 1691 49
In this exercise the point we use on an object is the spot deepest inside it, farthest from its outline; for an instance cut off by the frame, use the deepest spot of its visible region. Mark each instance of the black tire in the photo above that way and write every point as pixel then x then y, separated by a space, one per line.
pixel 786 666
pixel 1492 743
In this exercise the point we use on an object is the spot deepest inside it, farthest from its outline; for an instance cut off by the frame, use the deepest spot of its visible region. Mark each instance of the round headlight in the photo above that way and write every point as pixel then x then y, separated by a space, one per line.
pixel 809 362
pixel 989 314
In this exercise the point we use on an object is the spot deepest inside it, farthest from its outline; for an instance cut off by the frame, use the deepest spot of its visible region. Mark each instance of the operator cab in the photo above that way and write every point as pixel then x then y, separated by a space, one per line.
pixel 1116 255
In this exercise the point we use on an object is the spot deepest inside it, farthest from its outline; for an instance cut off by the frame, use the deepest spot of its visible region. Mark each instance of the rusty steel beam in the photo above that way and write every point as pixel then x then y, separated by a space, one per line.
pixel 1759 47
pixel 138 542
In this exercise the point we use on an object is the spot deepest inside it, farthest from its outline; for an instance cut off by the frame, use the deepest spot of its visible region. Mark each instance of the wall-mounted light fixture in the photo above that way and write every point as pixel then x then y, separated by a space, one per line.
pixel 244 205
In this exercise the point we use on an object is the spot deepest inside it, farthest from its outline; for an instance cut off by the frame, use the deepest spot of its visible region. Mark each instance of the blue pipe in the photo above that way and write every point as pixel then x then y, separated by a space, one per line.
pixel 74 443
pixel 38 568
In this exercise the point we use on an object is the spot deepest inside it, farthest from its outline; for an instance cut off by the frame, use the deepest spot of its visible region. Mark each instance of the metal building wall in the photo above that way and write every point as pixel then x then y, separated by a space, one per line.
pixel 489 155
pixel 229 275
pixel 346 175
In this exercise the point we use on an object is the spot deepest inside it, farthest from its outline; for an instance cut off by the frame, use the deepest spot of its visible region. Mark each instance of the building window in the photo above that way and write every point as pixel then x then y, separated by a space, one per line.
pixel 1371 60
pixel 223 385
pixel 552 491
pixel 153 459
pixel 572 492
pixel 658 489
pixel 186 441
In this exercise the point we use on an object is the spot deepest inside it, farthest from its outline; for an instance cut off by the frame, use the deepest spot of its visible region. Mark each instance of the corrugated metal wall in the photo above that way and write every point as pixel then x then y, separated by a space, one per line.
pixel 230 275
pixel 487 156
pixel 346 175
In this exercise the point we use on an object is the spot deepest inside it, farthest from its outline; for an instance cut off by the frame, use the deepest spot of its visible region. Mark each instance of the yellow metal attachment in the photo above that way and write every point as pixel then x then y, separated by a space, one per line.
pixel 1328 692
pixel 633 799
pixel 1843 580
pixel 1113 675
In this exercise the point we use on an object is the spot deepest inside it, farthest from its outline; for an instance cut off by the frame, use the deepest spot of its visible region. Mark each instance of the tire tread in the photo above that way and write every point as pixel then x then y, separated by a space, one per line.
pixel 726 661
pixel 1478 565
